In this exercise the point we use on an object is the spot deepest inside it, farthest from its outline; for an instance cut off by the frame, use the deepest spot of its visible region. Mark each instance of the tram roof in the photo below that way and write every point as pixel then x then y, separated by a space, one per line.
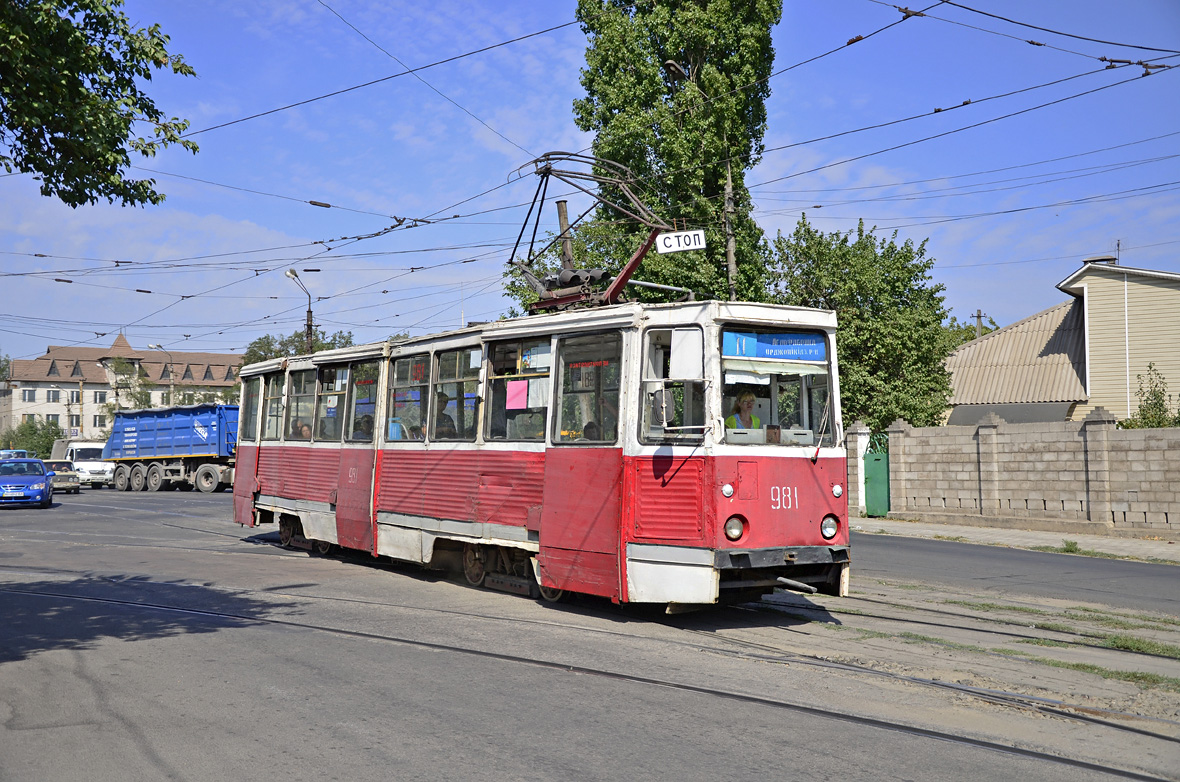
pixel 631 314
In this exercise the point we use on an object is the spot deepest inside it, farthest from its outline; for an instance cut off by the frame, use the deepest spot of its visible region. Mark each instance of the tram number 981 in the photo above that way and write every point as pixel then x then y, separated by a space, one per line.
pixel 784 497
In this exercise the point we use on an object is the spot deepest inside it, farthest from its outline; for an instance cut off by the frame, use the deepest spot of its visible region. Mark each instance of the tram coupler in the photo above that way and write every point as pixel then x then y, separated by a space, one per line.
pixel 797 586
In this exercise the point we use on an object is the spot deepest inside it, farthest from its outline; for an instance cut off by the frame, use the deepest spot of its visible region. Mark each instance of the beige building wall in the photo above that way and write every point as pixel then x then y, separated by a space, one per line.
pixel 1131 320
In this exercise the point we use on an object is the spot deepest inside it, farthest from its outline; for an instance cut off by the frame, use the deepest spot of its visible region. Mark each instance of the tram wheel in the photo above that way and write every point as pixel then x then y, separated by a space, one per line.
pixel 552 594
pixel 323 548
pixel 473 567
pixel 286 533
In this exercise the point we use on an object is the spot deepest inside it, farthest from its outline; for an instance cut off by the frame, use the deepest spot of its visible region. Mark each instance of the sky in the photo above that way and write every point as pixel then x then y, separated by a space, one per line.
pixel 1040 157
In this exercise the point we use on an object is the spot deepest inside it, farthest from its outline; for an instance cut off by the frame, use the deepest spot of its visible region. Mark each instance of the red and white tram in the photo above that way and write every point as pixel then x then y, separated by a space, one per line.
pixel 591 451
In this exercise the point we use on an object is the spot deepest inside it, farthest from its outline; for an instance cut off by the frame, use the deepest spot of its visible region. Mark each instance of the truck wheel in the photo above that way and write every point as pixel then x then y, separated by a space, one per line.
pixel 207 478
pixel 155 478
pixel 122 481
pixel 138 478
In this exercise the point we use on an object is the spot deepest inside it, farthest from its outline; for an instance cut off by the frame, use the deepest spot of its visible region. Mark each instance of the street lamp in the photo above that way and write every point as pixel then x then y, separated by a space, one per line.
pixel 294 275
pixel 171 374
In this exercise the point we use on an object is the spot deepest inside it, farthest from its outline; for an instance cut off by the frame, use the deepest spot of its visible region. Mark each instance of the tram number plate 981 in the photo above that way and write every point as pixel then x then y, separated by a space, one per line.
pixel 784 497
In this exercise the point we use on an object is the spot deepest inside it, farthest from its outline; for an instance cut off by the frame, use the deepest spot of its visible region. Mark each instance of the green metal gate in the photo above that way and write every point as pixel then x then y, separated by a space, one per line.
pixel 877 483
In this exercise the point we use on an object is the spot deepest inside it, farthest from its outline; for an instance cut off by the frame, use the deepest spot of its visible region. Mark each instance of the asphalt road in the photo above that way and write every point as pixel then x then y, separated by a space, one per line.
pixel 1114 582
pixel 146 637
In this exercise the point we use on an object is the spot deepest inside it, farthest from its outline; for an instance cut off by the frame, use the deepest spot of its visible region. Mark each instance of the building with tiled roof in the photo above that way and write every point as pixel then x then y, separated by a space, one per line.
pixel 79 387
pixel 1087 352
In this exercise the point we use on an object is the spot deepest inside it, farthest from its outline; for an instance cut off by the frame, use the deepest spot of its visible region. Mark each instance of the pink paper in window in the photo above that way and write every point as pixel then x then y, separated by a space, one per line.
pixel 518 395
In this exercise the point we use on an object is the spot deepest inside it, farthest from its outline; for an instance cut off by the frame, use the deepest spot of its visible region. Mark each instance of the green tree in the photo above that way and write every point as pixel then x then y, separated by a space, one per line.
pixel 272 346
pixel 1154 403
pixel 5 365
pixel 890 340
pixel 70 98
pixel 133 388
pixel 962 332
pixel 35 436
pixel 675 91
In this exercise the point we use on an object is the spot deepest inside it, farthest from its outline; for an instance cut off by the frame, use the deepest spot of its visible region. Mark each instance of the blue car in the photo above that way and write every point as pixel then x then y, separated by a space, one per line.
pixel 25 482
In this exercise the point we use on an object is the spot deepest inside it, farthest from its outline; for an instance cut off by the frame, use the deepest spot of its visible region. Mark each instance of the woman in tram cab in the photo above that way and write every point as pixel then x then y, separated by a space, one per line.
pixel 743 413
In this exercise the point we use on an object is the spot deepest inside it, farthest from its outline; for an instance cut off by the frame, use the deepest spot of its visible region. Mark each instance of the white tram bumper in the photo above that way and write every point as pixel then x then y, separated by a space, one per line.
pixel 680 574
pixel 670 574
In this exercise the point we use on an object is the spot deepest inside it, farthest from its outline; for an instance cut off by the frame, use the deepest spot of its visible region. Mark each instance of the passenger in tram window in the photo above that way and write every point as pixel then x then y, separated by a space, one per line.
pixel 305 432
pixel 743 413
pixel 416 433
pixel 590 431
pixel 364 428
pixel 297 430
pixel 444 425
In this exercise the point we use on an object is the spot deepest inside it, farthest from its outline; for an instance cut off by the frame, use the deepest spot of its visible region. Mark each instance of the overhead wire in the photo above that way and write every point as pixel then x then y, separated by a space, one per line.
pixel 1059 32
pixel 447 98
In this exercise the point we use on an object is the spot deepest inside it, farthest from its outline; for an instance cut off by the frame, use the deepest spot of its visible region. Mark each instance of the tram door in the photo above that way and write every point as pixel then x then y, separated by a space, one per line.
pixel 580 517
pixel 354 486
pixel 580 520
pixel 246 453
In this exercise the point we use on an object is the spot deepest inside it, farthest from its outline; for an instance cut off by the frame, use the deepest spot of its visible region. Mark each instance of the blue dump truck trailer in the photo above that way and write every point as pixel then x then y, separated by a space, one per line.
pixel 174 448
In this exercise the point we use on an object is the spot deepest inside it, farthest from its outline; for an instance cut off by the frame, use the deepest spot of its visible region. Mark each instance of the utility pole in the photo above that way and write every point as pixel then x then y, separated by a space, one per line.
pixel 730 242
pixel 978 323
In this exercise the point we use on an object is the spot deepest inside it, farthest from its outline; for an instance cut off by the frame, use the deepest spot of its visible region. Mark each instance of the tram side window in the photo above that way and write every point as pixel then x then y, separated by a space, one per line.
pixel 362 401
pixel 272 406
pixel 673 386
pixel 588 399
pixel 408 383
pixel 518 390
pixel 248 421
pixel 330 402
pixel 455 400
pixel 300 401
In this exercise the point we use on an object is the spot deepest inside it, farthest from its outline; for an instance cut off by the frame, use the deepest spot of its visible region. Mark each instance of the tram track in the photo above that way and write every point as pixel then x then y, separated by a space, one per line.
pixel 730 646
pixel 862 720
pixel 705 641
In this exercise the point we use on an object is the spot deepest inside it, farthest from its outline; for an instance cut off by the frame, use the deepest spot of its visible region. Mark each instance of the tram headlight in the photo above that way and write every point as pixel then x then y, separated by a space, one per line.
pixel 727 490
pixel 837 491
pixel 828 527
pixel 734 527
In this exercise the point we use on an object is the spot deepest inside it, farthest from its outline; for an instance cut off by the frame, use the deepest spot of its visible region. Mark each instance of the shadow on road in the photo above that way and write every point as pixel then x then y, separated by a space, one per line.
pixel 50 615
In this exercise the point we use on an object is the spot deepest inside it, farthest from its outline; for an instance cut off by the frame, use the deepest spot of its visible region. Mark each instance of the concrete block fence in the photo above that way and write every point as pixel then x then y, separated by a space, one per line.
pixel 1067 476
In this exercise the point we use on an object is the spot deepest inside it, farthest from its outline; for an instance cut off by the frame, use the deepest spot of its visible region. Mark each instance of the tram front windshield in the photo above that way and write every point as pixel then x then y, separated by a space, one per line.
pixel 776 387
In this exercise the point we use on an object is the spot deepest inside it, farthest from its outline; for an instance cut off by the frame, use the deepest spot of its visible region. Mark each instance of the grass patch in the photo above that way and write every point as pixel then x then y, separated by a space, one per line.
pixel 1057 627
pixel 951 538
pixel 1153 621
pixel 867 634
pixel 996 607
pixel 911 587
pixel 916 638
pixel 1082 552
pixel 1106 620
pixel 1042 642
pixel 1136 677
pixel 1129 643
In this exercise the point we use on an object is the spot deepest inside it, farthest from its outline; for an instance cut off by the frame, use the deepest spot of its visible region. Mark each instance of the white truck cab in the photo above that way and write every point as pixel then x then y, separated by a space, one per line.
pixel 87 458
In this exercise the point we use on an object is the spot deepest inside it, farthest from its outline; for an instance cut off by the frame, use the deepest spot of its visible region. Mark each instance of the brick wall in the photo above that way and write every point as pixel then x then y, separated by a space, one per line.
pixel 1068 475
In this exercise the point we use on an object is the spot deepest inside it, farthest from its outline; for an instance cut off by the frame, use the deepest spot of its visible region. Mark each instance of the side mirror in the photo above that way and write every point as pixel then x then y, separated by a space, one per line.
pixel 50 474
